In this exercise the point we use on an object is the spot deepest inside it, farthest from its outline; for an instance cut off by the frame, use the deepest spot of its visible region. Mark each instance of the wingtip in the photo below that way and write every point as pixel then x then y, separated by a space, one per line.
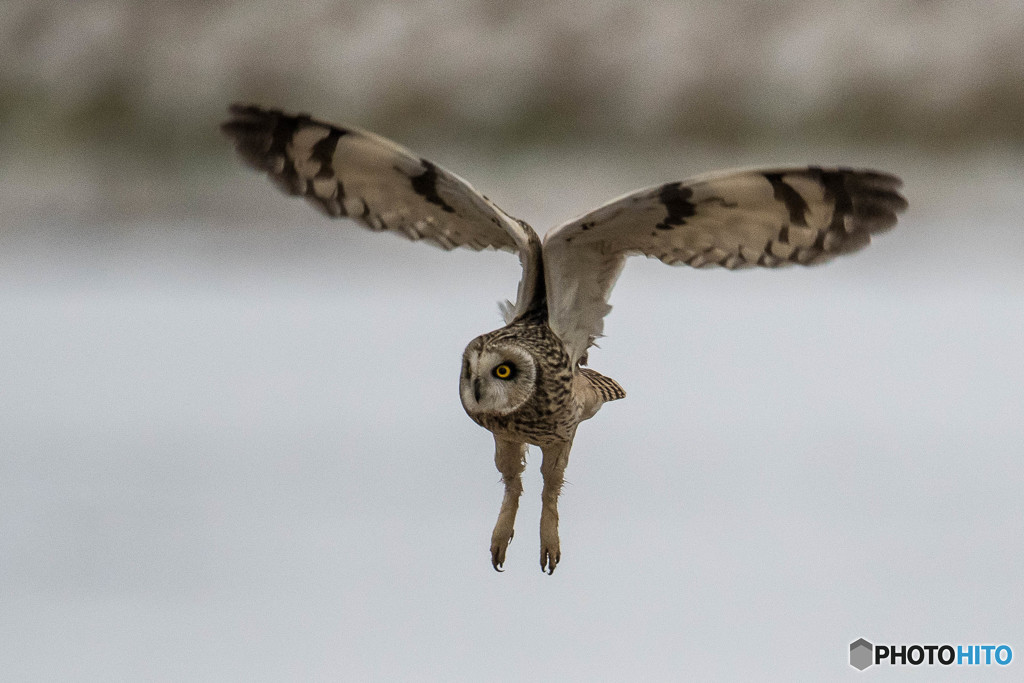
pixel 246 121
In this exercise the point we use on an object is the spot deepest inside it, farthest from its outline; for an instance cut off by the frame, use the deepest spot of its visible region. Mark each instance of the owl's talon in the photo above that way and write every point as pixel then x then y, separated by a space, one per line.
pixel 498 548
pixel 497 560
pixel 549 560
pixel 550 547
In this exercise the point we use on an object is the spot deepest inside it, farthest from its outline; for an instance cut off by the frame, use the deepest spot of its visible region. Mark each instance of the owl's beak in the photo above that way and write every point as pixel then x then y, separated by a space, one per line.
pixel 476 389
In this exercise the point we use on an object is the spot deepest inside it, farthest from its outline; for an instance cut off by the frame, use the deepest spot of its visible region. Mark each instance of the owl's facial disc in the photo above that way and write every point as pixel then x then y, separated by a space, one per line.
pixel 496 379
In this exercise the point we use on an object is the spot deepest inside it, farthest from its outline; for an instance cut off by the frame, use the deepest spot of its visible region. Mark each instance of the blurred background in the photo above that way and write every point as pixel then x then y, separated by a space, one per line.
pixel 231 446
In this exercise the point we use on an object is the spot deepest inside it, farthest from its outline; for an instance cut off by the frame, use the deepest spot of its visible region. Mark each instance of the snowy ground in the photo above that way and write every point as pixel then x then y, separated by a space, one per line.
pixel 231 452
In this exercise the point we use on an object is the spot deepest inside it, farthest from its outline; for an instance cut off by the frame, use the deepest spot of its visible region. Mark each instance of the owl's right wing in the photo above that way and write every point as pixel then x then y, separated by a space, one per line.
pixel 769 217
pixel 347 172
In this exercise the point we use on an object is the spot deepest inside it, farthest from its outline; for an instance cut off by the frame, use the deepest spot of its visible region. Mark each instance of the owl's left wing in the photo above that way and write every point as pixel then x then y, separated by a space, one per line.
pixel 347 172
pixel 770 218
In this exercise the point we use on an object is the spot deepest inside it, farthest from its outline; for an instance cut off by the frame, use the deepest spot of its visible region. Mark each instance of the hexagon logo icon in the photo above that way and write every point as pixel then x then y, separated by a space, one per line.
pixel 861 652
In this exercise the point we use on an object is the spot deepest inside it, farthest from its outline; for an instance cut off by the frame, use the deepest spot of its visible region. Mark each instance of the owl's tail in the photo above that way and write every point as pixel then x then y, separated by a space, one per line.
pixel 607 388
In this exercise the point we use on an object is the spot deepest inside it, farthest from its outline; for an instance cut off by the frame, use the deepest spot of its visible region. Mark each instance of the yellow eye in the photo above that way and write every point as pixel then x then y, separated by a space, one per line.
pixel 503 371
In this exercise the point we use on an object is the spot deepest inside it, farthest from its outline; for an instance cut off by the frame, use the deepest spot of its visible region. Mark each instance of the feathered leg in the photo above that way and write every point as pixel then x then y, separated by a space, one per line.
pixel 556 457
pixel 510 458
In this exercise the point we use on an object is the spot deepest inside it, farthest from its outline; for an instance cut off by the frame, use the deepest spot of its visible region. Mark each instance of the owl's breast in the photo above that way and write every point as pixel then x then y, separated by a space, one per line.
pixel 551 415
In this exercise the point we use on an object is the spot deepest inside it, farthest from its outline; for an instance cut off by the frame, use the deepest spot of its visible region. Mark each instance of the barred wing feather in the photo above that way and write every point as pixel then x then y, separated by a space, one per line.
pixel 771 218
pixel 347 172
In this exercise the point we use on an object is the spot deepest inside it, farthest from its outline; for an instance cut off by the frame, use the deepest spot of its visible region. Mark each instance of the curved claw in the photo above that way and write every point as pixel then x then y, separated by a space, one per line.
pixel 548 562
pixel 498 552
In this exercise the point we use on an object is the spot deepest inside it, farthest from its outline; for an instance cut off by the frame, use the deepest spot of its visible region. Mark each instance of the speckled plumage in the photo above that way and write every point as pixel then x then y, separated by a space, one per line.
pixel 552 414
pixel 525 382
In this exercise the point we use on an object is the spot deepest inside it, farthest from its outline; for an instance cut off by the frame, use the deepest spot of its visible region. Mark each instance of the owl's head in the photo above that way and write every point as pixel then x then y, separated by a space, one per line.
pixel 497 378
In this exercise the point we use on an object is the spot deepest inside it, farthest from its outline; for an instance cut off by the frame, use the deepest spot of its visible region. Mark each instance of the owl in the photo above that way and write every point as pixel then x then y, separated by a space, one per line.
pixel 527 382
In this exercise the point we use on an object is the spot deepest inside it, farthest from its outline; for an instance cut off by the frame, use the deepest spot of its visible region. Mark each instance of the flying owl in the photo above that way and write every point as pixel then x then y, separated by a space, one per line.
pixel 526 382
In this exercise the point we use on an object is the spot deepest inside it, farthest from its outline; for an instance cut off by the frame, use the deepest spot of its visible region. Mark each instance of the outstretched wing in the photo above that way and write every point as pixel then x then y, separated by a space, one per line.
pixel 732 219
pixel 352 173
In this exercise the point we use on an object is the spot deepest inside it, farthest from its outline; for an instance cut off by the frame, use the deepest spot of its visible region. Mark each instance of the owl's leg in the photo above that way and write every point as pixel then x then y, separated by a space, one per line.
pixel 510 458
pixel 556 457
